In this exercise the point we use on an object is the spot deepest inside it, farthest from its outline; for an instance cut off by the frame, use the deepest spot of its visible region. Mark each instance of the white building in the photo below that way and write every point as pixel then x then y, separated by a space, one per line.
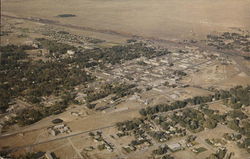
pixel 70 52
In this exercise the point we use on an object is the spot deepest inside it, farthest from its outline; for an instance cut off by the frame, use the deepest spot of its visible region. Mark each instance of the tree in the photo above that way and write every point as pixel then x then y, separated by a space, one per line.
pixel 160 150
pixel 237 113
pixel 221 153
pixel 101 147
pixel 143 112
pixel 234 124
pixel 210 123
pixel 167 157
pixel 90 106
pixel 212 156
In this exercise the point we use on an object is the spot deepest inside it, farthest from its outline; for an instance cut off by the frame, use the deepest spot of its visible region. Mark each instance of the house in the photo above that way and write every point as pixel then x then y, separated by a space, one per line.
pixel 70 52
pixel 53 132
pixel 132 148
pixel 59 126
pixel 175 147
pixel 75 114
pixel 174 96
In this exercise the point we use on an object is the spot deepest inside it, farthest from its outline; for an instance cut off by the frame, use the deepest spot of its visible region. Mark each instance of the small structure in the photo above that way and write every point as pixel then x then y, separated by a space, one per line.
pixel 75 114
pixel 53 132
pixel 70 52
pixel 90 148
pixel 175 147
pixel 59 126
pixel 102 108
pixel 174 96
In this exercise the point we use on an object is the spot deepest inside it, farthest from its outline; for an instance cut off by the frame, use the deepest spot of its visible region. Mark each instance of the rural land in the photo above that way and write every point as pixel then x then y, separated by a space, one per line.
pixel 125 79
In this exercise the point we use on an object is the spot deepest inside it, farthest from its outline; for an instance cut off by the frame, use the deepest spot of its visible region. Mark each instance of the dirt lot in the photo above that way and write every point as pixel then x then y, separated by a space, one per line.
pixel 219 76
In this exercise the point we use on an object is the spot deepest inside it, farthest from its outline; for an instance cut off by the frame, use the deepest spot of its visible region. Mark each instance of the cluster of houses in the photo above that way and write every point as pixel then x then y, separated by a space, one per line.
pixel 216 142
pixel 138 98
pixel 78 114
pixel 238 41
pixel 142 143
pixel 143 140
pixel 59 129
pixel 64 36
pixel 157 71
pixel 97 137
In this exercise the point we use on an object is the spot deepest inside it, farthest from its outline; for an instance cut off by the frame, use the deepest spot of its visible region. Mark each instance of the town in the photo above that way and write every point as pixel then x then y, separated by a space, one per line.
pixel 75 92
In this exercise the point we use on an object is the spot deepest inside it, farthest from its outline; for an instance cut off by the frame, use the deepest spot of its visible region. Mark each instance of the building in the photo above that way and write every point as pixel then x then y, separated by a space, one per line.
pixel 59 126
pixel 53 132
pixel 70 52
pixel 175 147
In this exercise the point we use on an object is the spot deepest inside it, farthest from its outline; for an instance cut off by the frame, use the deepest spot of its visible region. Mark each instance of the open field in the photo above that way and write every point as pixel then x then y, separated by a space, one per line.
pixel 166 19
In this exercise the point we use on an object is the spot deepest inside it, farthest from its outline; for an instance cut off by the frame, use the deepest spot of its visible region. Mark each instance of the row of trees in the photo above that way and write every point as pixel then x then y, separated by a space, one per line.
pixel 129 124
pixel 27 155
pixel 162 108
pixel 240 97
pixel 241 94
pixel 119 89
